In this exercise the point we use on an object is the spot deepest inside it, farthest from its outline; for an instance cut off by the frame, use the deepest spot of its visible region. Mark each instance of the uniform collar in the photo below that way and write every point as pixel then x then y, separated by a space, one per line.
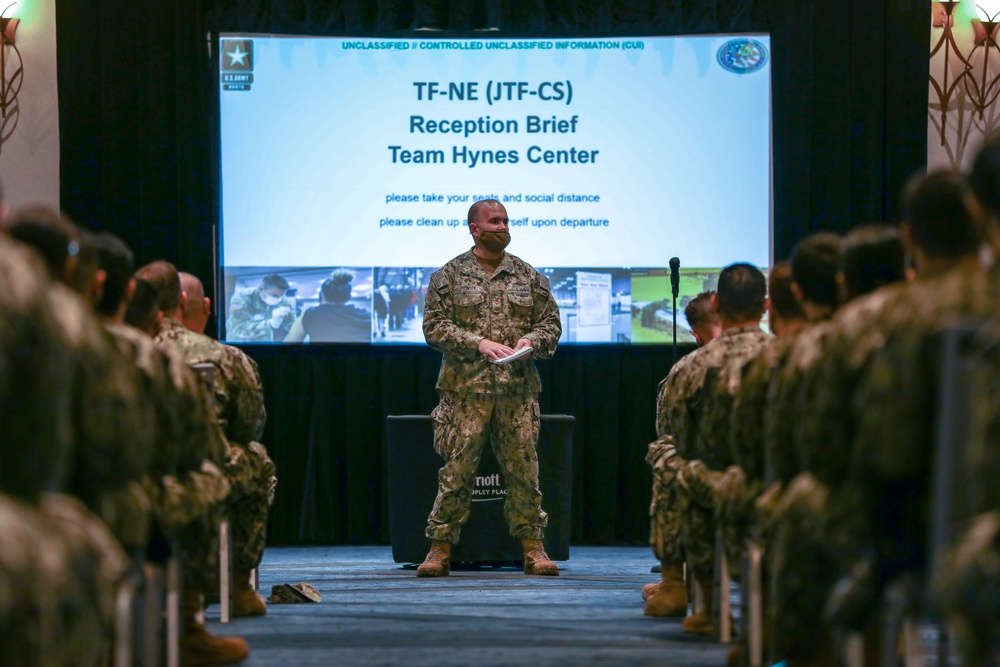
pixel 746 328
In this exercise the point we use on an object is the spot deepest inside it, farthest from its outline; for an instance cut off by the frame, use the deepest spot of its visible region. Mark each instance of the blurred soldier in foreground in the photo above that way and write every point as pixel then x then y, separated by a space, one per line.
pixel 790 510
pixel 187 486
pixel 482 307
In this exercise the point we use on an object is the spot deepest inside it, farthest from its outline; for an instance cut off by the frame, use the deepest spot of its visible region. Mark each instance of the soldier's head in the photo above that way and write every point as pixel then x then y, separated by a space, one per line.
pixel 116 260
pixel 272 288
pixel 68 252
pixel 703 318
pixel 53 237
pixel 197 306
pixel 815 263
pixel 785 313
pixel 143 310
pixel 942 222
pixel 337 288
pixel 164 279
pixel 872 257
pixel 488 226
pixel 741 296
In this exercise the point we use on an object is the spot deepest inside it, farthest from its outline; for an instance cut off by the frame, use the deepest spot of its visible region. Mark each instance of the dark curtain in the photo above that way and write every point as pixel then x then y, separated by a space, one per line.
pixel 136 99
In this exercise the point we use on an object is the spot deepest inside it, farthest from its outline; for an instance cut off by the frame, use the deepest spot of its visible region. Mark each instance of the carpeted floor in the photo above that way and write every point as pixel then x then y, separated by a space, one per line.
pixel 375 612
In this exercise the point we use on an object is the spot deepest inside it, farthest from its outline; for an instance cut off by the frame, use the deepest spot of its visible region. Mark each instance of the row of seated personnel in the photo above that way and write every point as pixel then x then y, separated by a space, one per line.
pixel 817 443
pixel 115 451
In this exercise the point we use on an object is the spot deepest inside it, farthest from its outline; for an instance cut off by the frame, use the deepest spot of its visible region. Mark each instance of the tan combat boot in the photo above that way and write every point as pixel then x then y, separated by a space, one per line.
pixel 700 622
pixel 669 597
pixel 437 563
pixel 246 601
pixel 536 561
pixel 198 647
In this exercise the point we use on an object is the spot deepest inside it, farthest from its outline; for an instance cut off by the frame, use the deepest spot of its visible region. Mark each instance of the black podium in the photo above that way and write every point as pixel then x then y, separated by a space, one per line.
pixel 413 468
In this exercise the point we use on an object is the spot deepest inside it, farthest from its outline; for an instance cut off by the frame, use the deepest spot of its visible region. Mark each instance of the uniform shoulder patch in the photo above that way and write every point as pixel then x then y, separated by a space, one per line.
pixel 543 282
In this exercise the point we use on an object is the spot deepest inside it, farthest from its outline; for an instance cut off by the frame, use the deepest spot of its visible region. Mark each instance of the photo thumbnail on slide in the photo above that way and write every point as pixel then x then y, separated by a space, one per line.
pixel 593 303
pixel 652 303
pixel 398 304
pixel 299 305
pixel 607 153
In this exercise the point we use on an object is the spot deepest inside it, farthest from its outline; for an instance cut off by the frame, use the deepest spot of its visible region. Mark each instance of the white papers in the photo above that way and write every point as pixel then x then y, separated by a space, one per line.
pixel 523 352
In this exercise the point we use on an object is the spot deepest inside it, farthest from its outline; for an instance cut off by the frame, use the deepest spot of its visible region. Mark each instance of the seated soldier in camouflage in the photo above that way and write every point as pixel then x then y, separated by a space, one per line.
pixel 108 451
pixel 239 403
pixel 691 423
pixel 789 510
pixel 59 566
pixel 882 491
pixel 668 597
pixel 186 486
pixel 481 307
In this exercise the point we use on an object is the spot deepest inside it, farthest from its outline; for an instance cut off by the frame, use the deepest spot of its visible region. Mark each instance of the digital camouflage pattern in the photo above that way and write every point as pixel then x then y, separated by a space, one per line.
pixel 664 521
pixel 186 485
pixel 58 569
pixel 698 406
pixel 239 404
pixel 250 318
pixel 746 436
pixel 35 400
pixel 482 402
pixel 112 425
pixel 463 425
pixel 464 305
pixel 893 456
pixel 665 525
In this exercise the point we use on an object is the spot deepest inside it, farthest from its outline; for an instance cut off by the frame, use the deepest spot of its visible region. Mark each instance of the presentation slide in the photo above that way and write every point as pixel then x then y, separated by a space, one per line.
pixel 348 166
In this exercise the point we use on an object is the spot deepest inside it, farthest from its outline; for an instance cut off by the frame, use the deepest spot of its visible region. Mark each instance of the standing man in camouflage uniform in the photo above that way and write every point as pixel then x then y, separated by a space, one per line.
pixel 481 307
pixel 239 403
pixel 261 314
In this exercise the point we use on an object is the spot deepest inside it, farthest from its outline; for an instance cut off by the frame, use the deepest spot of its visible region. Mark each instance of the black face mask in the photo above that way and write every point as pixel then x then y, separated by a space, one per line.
pixel 495 241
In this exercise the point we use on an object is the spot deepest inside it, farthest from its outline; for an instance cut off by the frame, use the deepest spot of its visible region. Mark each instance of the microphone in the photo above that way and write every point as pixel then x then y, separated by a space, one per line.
pixel 675 276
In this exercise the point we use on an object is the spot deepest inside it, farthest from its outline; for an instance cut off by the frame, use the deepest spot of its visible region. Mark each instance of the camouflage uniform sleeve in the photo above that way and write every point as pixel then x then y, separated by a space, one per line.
pixel 440 329
pixel 241 325
pixel 246 414
pixel 746 420
pixel 546 327
pixel 779 451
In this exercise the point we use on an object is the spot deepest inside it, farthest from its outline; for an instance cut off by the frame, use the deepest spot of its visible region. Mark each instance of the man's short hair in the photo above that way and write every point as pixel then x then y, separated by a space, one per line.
pixel 474 209
pixel 53 236
pixel 742 292
pixel 144 306
pixel 274 280
pixel 872 256
pixel 815 262
pixel 779 289
pixel 700 312
pixel 164 279
pixel 117 261
pixel 939 209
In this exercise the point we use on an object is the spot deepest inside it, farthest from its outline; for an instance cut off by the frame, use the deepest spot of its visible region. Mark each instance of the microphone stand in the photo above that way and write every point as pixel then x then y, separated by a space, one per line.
pixel 674 310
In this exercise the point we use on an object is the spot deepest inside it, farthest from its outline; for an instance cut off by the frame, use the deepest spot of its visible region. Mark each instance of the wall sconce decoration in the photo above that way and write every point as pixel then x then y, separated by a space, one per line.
pixel 11 73
pixel 971 77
